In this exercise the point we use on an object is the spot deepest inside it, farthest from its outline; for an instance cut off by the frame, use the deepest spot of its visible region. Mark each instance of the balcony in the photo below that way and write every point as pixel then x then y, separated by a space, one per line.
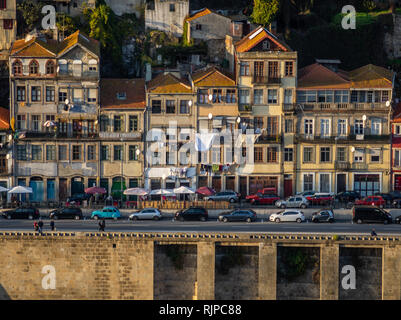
pixel 355 139
pixel 265 80
pixel 333 107
pixel 245 108
pixel 59 135
pixel 359 166
pixel 269 138
pixel 86 75
pixel 121 135
pixel 342 166
pixel 289 107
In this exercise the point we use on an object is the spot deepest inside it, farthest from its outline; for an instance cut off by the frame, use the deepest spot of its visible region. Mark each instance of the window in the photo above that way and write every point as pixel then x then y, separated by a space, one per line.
pixel 376 127
pixel 289 68
pixel 62 95
pixel 105 155
pixel 49 118
pixel 36 153
pixel 78 95
pixel 198 26
pixel 184 107
pixel 50 153
pixel 170 106
pixel 324 182
pixel 172 7
pixel 324 127
pixel 62 153
pixel 288 154
pixel 244 97
pixel 397 129
pixel 272 126
pixel 8 24
pixel 308 182
pixel 341 96
pixel 244 69
pixel 21 122
pixel 308 154
pixel 265 45
pixel 324 154
pixel 358 155
pixel 273 69
pixel 354 96
pixel 49 94
pixel 272 154
pixel 118 152
pixel 397 158
pixel 104 123
pixel 230 96
pixel 91 153
pixel 150 5
pixel 375 155
pixel 92 68
pixel 35 93
pixel 258 96
pixel 385 96
pixel 288 96
pixel 91 128
pixel 342 127
pixel 258 71
pixel 34 67
pixel 358 128
pixel 258 122
pixel 132 153
pixel 308 127
pixel 76 152
pixel 217 96
pixel 17 67
pixel 341 154
pixel 258 154
pixel 92 95
pixel 20 93
pixel 133 123
pixel 21 152
pixel 288 125
pixel 3 4
pixel 117 123
pixel 272 96
pixel 325 96
pixel 36 123
pixel 50 67
pixel 156 106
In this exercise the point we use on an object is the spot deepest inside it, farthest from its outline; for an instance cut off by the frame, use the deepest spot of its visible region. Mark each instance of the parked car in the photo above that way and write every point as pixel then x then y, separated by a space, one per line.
pixel 323 216
pixel 348 196
pixel 287 216
pixel 78 198
pixel 146 214
pixel 106 213
pixel 320 199
pixel 386 196
pixel 227 195
pixel 66 213
pixel 238 215
pixel 21 213
pixel 373 201
pixel 396 203
pixel 192 213
pixel 260 198
pixel 306 193
pixel 293 202
pixel 370 214
pixel 397 220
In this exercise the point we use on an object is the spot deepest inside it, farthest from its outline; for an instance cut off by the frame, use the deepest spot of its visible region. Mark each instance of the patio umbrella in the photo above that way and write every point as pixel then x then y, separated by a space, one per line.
pixel 2 189
pixel 205 191
pixel 163 192
pixel 20 190
pixel 183 190
pixel 95 190
pixel 49 124
pixel 136 192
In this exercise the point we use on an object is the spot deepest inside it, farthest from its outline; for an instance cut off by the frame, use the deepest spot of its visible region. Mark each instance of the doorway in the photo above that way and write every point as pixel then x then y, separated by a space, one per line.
pixel 341 182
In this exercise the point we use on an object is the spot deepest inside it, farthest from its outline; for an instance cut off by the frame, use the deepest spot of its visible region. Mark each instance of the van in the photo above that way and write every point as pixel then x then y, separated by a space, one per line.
pixel 370 214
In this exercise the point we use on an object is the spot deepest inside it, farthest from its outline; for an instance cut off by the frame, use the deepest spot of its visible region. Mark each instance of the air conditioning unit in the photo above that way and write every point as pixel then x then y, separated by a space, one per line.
pixel 359 137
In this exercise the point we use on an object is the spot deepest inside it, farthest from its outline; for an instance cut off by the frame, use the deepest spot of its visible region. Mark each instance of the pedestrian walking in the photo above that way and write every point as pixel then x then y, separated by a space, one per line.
pixel 102 225
pixel 35 226
pixel 52 227
pixel 40 225
pixel 373 233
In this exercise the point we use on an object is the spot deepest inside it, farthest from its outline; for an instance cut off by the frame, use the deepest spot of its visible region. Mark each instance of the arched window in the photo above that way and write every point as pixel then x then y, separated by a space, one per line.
pixel 17 67
pixel 34 67
pixel 50 67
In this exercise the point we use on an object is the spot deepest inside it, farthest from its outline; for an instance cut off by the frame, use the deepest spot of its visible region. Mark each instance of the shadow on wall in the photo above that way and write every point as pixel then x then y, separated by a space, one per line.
pixel 3 294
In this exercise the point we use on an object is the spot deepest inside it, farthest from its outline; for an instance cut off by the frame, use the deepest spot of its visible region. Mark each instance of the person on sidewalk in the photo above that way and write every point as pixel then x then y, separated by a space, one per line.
pixel 102 225
pixel 373 233
pixel 40 225
pixel 52 227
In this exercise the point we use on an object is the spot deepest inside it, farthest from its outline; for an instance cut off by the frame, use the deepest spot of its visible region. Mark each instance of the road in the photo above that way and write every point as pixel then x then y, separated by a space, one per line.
pixel 167 225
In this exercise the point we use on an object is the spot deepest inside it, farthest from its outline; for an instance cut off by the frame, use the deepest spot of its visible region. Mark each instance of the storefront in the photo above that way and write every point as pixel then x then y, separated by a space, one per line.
pixel 397 182
pixel 367 184
pixel 260 182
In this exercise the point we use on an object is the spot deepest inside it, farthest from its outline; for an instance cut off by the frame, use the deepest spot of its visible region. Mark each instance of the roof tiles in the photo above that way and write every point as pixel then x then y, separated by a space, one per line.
pixel 134 90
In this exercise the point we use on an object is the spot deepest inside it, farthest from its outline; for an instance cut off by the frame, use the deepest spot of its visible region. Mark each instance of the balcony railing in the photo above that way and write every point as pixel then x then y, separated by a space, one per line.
pixel 359 166
pixel 269 138
pixel 340 165
pixel 289 107
pixel 265 80
pixel 385 138
pixel 83 75
pixel 120 135
pixel 329 106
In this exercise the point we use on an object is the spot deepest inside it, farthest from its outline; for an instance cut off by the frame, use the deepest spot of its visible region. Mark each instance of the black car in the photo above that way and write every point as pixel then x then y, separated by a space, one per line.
pixel 192 213
pixel 66 213
pixel 396 203
pixel 323 216
pixel 79 197
pixel 348 196
pixel 370 214
pixel 238 215
pixel 22 213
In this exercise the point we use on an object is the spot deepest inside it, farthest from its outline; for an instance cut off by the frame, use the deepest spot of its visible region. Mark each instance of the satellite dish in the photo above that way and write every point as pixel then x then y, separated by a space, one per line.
pixel 67 101
pixel 190 102
pixel 388 103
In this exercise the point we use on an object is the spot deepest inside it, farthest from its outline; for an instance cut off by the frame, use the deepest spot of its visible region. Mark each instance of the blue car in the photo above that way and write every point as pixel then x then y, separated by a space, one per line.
pixel 106 213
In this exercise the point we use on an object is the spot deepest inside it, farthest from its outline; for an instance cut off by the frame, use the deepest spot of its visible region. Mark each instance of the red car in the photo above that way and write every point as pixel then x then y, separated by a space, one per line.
pixel 264 199
pixel 372 201
pixel 320 199
pixel 264 191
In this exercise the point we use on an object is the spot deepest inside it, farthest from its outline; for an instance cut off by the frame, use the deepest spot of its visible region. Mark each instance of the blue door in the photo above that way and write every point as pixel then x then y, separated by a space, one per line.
pixel 51 192
pixel 37 194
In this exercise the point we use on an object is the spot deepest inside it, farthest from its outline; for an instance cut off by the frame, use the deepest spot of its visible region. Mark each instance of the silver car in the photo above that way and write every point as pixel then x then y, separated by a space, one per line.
pixel 293 202
pixel 146 214
pixel 227 195
pixel 287 216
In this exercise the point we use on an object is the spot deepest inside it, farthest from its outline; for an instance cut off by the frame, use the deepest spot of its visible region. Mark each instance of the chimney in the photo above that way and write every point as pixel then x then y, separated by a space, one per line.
pixel 148 72
pixel 55 34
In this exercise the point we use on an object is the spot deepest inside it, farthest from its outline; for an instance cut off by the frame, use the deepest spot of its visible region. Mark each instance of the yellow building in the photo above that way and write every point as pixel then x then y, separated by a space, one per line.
pixel 343 137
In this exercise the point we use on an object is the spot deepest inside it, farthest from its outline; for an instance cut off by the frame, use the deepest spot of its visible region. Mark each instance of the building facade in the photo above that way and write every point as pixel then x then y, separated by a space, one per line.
pixel 54 112
pixel 8 26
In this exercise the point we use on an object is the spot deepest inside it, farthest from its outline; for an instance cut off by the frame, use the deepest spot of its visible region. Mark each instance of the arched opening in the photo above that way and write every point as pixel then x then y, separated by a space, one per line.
pixel 50 67
pixel 37 195
pixel 117 188
pixel 17 67
pixel 33 67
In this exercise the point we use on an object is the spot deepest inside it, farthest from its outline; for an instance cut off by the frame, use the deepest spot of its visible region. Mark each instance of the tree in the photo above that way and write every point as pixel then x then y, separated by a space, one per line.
pixel 31 14
pixel 264 11
pixel 65 24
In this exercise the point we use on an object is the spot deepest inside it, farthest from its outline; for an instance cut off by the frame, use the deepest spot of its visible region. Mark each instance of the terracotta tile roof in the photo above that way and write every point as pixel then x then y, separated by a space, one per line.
pixel 397 112
pixel 212 77
pixel 33 48
pixel 4 119
pixel 79 37
pixel 168 83
pixel 200 13
pixel 371 76
pixel 255 37
pixel 316 76
pixel 133 88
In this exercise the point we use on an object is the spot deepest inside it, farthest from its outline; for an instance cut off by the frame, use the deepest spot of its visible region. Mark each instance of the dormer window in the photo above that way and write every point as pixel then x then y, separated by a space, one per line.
pixel 121 95
pixel 34 67
pixel 50 67
pixel 266 45
pixel 17 67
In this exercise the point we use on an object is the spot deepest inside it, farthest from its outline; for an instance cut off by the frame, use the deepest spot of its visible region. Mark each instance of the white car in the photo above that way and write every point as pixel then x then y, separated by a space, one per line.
pixel 287 216
pixel 146 214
